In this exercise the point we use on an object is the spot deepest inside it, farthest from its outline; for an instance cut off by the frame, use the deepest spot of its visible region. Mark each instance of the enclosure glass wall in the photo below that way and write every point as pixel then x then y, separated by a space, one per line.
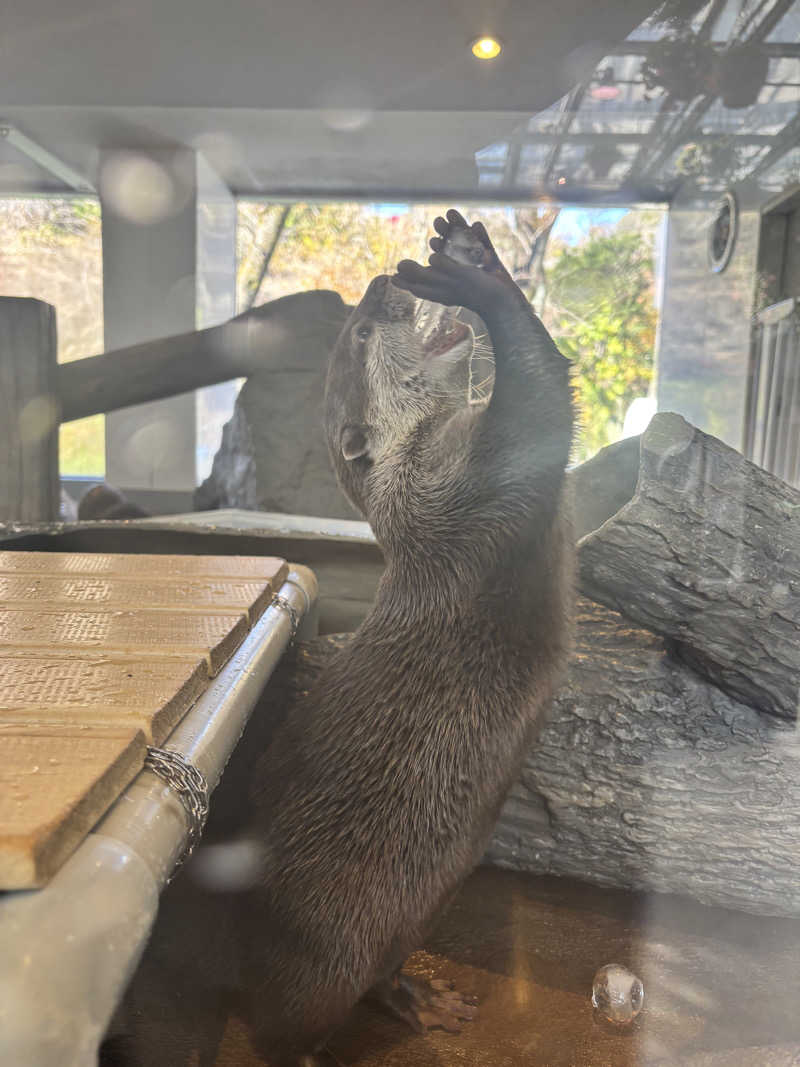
pixel 51 249
pixel 437 615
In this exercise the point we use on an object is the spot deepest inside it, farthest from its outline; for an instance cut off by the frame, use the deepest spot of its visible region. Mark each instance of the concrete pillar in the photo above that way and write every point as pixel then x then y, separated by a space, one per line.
pixel 169 227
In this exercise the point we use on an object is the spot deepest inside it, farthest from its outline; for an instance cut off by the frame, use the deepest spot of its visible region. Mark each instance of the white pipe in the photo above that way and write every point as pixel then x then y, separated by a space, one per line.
pixel 68 951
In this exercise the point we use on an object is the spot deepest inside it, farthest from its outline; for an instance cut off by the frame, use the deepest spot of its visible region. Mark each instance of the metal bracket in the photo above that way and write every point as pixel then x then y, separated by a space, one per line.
pixel 45 159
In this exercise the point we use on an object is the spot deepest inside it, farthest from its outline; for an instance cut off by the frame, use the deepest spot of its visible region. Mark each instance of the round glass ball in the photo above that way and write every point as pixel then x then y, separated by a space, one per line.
pixel 617 994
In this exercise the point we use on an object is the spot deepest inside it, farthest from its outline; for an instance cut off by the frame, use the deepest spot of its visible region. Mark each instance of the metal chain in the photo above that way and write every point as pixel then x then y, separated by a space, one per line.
pixel 187 782
pixel 281 602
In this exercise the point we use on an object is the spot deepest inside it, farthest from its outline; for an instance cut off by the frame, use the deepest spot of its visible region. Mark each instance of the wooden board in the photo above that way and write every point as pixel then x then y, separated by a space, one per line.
pixel 55 782
pixel 138 633
pixel 83 591
pixel 101 654
pixel 112 690
pixel 144 565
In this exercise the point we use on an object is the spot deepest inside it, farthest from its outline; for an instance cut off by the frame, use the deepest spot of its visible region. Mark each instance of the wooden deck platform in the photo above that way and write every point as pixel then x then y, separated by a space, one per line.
pixel 102 654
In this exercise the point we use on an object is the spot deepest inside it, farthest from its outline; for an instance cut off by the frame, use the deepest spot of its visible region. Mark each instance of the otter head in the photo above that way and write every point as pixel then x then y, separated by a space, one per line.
pixel 399 367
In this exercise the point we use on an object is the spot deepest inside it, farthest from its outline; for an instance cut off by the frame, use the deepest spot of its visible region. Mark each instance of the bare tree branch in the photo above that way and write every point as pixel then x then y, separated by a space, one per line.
pixel 268 254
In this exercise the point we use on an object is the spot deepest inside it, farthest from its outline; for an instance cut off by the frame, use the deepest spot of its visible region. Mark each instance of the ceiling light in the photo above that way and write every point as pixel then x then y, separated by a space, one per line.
pixel 486 47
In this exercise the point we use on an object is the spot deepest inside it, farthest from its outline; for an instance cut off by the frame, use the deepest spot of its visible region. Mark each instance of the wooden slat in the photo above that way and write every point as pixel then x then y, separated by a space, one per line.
pixel 55 782
pixel 107 593
pixel 101 654
pixel 135 633
pixel 152 695
pixel 144 566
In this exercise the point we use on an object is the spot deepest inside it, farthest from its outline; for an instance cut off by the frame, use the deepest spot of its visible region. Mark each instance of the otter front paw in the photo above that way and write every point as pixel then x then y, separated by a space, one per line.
pixel 464 269
pixel 469 245
pixel 423 1004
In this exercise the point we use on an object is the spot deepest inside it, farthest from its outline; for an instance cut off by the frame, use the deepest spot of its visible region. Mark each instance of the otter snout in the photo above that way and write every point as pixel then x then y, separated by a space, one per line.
pixel 386 302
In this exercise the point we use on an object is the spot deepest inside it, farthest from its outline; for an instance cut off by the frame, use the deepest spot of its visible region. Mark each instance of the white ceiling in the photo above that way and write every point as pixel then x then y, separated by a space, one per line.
pixel 308 95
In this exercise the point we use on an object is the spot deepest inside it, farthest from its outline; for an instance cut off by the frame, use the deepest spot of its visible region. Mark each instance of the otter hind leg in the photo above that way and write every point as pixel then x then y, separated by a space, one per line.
pixel 423 1004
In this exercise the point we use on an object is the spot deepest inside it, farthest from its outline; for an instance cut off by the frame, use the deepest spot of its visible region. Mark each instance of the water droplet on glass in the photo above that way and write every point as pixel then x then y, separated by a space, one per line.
pixel 617 994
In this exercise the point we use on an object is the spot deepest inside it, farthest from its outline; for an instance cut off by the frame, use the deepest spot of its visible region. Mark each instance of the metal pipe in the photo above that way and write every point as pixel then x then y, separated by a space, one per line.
pixel 68 951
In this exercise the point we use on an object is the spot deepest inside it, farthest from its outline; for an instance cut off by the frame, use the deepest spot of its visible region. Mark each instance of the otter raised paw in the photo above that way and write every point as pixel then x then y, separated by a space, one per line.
pixel 467 244
pixel 451 275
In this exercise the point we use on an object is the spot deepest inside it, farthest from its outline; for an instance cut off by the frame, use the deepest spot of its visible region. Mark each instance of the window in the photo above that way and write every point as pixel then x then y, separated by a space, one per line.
pixel 51 250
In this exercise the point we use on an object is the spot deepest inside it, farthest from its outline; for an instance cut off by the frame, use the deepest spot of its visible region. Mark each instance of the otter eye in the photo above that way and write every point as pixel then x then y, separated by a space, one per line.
pixel 363 331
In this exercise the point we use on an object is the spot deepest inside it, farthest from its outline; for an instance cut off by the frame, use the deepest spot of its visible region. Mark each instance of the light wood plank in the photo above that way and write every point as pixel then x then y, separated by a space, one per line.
pixel 144 566
pixel 47 593
pixel 151 695
pixel 135 633
pixel 55 783
pixel 99 655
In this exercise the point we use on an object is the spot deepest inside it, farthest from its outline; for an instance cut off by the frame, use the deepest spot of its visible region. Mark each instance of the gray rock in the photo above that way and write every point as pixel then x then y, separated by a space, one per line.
pixel 273 455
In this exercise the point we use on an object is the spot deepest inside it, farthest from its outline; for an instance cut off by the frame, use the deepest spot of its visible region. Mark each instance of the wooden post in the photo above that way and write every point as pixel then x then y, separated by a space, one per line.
pixel 29 411
pixel 707 554
pixel 284 333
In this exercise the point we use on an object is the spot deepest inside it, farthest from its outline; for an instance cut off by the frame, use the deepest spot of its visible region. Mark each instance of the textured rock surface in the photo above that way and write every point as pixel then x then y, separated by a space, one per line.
pixel 707 553
pixel 645 776
pixel 273 455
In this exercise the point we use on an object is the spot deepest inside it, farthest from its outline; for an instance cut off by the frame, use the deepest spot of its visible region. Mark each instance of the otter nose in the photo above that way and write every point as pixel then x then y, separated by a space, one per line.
pixel 376 294
pixel 382 300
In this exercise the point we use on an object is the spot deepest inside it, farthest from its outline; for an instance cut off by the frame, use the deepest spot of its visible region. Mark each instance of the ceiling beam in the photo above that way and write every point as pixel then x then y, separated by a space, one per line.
pixel 618 196
pixel 609 137
pixel 786 140
pixel 662 146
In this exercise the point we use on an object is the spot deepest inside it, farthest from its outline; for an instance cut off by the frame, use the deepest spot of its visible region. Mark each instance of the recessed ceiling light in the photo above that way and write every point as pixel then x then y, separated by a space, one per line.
pixel 486 47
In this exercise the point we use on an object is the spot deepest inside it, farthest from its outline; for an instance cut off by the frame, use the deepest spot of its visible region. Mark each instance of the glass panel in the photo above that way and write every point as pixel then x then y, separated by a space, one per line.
pixel 51 250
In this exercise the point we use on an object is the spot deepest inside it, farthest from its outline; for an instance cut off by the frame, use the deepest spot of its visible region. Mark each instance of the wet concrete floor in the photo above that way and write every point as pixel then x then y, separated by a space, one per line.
pixel 722 989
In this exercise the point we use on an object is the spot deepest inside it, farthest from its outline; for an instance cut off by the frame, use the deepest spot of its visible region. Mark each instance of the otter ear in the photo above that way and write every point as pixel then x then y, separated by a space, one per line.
pixel 354 443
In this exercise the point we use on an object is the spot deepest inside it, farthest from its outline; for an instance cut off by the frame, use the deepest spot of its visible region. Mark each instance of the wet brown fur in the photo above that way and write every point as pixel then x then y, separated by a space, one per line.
pixel 381 795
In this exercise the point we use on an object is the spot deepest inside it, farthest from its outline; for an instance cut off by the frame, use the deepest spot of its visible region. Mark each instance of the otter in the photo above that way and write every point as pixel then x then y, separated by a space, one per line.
pixel 377 793
pixel 380 795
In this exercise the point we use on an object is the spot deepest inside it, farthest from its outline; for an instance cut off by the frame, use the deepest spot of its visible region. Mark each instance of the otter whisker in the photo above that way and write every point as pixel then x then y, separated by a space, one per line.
pixel 487 381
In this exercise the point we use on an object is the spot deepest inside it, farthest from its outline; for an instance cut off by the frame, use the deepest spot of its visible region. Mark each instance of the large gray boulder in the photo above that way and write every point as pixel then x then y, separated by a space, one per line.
pixel 273 455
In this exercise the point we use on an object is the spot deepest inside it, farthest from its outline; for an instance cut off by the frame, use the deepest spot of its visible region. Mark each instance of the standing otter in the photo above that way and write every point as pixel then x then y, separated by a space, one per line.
pixel 377 793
